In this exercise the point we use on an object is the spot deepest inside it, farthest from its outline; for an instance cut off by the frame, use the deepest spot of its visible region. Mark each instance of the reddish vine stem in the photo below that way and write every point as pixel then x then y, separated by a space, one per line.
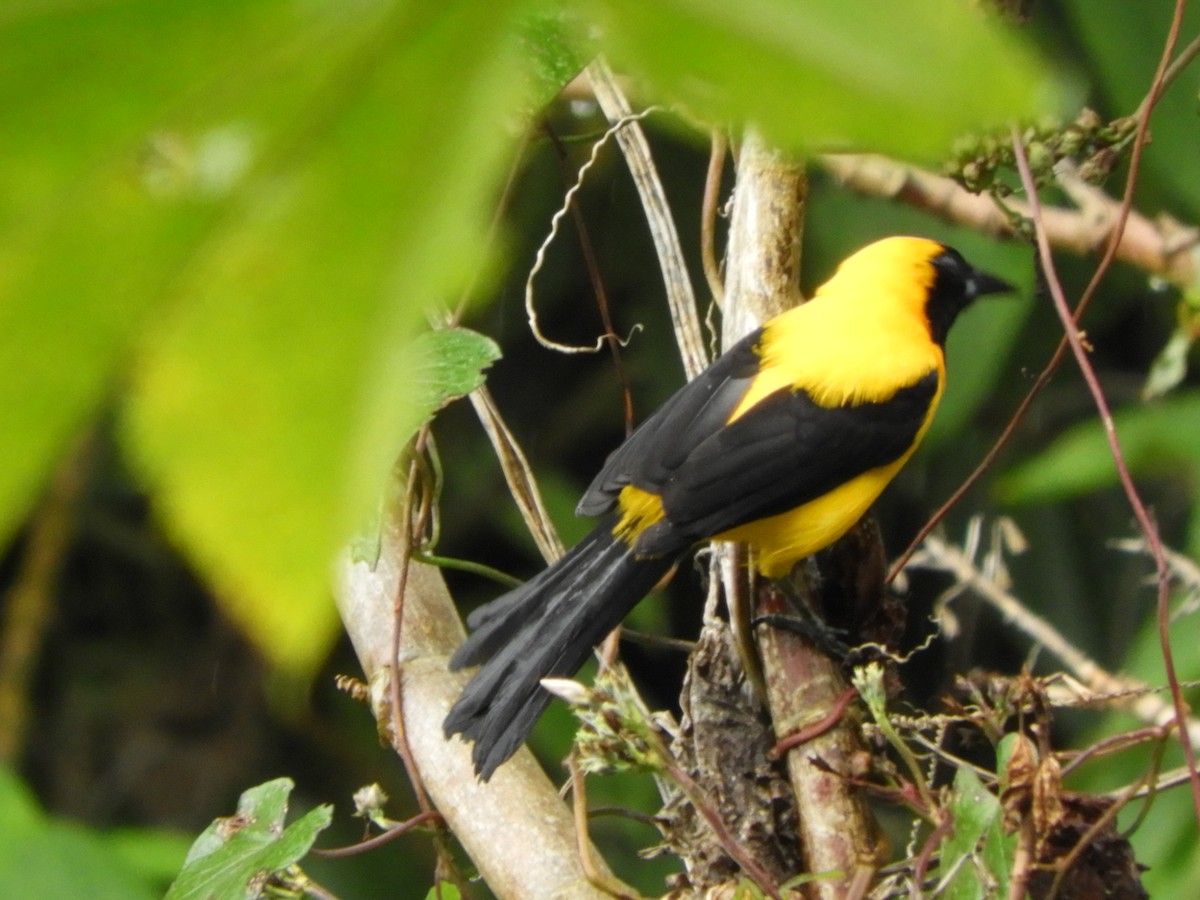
pixel 431 815
pixel 408 530
pixel 1145 522
pixel 1135 158
pixel 1166 71
pixel 828 721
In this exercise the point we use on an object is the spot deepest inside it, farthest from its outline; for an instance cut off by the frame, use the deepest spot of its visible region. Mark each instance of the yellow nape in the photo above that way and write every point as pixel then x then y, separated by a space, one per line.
pixel 639 510
pixel 875 302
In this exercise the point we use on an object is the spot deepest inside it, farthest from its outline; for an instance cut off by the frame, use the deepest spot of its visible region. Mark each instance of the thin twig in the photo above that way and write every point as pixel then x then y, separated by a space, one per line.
pixel 28 608
pixel 940 554
pixel 518 474
pixel 431 815
pixel 1185 58
pixel 1183 568
pixel 555 222
pixel 1117 743
pixel 597 875
pixel 1104 820
pixel 407 529
pixel 681 300
pixel 1148 528
pixel 708 216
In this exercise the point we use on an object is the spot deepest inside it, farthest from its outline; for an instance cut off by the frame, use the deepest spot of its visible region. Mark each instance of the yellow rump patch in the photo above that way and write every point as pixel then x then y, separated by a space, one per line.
pixel 639 510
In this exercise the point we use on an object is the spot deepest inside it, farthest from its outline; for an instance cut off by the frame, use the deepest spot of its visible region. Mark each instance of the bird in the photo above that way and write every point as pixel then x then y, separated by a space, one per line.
pixel 782 443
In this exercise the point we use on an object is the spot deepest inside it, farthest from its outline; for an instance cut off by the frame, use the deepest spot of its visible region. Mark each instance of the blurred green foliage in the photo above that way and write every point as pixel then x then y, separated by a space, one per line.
pixel 234 218
pixel 44 858
pixel 228 222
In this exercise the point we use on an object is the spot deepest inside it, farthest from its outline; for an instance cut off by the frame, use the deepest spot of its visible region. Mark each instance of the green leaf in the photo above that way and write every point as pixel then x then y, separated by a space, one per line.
pixel 546 37
pixel 976 835
pixel 272 400
pixel 447 364
pixel 1155 438
pixel 233 857
pixel 88 243
pixel 260 202
pixel 1170 365
pixel 905 77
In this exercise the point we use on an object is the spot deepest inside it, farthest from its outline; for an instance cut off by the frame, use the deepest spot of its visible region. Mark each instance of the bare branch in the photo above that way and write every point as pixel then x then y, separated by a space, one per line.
pixel 515 827
pixel 1160 247
pixel 1136 696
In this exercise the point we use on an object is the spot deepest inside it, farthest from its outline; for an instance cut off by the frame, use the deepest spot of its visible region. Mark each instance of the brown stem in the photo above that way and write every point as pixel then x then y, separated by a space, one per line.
pixel 708 216
pixel 802 683
pixel 1148 528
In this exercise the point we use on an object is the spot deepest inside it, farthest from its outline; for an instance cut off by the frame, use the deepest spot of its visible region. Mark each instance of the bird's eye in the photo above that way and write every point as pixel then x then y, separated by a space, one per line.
pixel 950 271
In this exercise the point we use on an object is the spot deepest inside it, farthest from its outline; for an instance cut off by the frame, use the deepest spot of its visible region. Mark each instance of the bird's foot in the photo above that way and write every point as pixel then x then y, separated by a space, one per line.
pixel 827 638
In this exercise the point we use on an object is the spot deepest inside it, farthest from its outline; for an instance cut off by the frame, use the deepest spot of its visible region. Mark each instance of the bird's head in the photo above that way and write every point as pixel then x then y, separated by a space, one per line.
pixel 933 280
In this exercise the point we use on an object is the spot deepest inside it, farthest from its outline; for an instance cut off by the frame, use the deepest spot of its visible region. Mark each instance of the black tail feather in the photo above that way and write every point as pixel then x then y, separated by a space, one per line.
pixel 546 627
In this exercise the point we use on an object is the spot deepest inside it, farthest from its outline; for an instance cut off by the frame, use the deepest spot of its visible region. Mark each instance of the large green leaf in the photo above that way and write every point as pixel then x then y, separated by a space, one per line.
pixel 905 76
pixel 243 211
pixel 261 200
pixel 271 402
pixel 88 240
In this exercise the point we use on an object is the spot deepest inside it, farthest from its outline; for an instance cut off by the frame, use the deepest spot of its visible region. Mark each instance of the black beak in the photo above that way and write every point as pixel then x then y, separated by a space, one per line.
pixel 980 283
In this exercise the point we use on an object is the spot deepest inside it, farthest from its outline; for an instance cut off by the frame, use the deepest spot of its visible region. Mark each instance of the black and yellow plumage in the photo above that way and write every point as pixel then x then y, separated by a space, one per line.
pixel 783 443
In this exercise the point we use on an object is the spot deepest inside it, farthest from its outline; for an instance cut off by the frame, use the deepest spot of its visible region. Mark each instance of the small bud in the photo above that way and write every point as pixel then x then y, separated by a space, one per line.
pixel 1098 166
pixel 369 800
pixel 1041 159
pixel 972 175
pixel 568 689
pixel 1071 141
pixel 1088 120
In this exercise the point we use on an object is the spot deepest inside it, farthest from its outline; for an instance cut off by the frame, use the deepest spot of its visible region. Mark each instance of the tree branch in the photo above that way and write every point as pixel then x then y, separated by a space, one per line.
pixel 515 827
pixel 1160 247
pixel 803 684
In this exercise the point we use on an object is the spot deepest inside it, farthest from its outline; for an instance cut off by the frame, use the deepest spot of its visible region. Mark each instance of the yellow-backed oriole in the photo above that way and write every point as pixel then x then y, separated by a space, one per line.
pixel 783 443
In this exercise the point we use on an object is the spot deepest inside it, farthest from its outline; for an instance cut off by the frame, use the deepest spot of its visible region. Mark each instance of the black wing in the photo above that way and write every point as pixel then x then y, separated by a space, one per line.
pixel 782 453
pixel 667 438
